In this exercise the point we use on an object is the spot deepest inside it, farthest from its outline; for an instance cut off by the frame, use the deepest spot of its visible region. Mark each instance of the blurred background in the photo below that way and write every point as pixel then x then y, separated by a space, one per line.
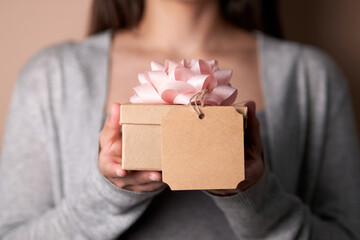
pixel 27 26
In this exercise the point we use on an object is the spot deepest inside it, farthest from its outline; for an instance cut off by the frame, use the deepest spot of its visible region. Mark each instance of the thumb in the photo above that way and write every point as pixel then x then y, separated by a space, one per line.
pixel 112 126
pixel 115 115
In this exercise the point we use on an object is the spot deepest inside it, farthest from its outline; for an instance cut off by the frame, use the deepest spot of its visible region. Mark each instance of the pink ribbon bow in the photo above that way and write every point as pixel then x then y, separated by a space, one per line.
pixel 176 83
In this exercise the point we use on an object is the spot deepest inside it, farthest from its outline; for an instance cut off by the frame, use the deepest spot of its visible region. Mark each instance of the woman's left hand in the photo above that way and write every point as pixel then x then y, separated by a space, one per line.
pixel 254 162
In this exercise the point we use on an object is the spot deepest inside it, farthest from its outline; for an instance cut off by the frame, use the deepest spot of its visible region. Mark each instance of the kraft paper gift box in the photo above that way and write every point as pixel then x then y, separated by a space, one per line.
pixel 191 152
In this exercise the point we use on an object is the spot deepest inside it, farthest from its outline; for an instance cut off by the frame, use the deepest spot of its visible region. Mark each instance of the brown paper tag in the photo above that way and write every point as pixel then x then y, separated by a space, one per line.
pixel 203 153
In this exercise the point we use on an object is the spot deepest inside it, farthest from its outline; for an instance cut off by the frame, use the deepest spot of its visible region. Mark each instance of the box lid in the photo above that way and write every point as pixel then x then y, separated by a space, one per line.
pixel 150 114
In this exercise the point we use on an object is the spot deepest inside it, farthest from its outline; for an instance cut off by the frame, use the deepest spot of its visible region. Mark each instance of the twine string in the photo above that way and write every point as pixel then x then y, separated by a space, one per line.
pixel 196 107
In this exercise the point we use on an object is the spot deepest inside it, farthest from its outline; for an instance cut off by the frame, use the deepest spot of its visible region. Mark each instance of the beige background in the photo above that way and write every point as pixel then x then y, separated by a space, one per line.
pixel 27 26
pixel 333 26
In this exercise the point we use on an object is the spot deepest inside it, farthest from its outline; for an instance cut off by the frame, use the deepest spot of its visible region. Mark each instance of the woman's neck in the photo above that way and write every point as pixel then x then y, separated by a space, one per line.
pixel 185 26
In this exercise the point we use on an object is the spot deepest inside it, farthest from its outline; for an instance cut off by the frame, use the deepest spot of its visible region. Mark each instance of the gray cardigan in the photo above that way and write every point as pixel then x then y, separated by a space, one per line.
pixel 51 188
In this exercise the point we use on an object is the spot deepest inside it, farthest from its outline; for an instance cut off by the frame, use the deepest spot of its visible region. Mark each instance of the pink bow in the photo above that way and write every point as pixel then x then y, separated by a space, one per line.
pixel 176 83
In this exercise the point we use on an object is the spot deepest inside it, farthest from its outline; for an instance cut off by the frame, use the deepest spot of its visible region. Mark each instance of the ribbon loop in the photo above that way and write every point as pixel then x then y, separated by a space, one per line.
pixel 180 82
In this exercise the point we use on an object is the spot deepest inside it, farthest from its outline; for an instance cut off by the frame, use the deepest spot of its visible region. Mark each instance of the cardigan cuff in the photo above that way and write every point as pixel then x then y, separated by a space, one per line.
pixel 248 201
pixel 115 195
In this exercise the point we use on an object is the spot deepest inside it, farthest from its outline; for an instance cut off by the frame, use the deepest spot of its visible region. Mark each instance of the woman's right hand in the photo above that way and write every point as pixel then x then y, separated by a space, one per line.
pixel 110 159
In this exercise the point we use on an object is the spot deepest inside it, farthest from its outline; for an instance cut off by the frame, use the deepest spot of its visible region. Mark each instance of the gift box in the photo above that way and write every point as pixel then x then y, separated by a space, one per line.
pixel 194 147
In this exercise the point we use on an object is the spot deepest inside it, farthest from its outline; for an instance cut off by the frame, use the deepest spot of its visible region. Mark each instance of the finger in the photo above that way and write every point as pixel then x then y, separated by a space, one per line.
pixel 111 167
pixel 111 129
pixel 148 187
pixel 242 186
pixel 252 132
pixel 141 177
pixel 250 153
pixel 254 165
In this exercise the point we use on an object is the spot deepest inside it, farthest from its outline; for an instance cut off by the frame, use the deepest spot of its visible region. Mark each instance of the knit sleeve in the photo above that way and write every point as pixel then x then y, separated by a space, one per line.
pixel 267 211
pixel 28 209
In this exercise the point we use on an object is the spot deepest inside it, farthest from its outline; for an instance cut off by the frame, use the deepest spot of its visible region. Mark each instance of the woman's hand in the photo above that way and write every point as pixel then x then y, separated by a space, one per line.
pixel 254 163
pixel 109 160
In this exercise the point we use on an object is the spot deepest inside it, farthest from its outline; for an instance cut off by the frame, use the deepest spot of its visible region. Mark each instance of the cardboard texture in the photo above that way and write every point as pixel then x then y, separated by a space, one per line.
pixel 203 153
pixel 141 133
pixel 193 153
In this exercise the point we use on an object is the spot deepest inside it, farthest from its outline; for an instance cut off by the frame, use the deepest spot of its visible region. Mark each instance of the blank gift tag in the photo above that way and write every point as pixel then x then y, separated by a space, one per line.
pixel 203 153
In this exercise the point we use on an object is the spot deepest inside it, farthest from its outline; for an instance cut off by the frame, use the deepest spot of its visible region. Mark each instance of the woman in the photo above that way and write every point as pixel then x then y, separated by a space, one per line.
pixel 61 179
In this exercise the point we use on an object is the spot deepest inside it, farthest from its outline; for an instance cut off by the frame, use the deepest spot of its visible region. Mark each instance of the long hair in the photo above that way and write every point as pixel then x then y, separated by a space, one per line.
pixel 247 14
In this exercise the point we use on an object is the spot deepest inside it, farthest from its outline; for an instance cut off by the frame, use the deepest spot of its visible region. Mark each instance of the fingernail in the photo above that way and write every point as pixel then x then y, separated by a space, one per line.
pixel 154 177
pixel 119 172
